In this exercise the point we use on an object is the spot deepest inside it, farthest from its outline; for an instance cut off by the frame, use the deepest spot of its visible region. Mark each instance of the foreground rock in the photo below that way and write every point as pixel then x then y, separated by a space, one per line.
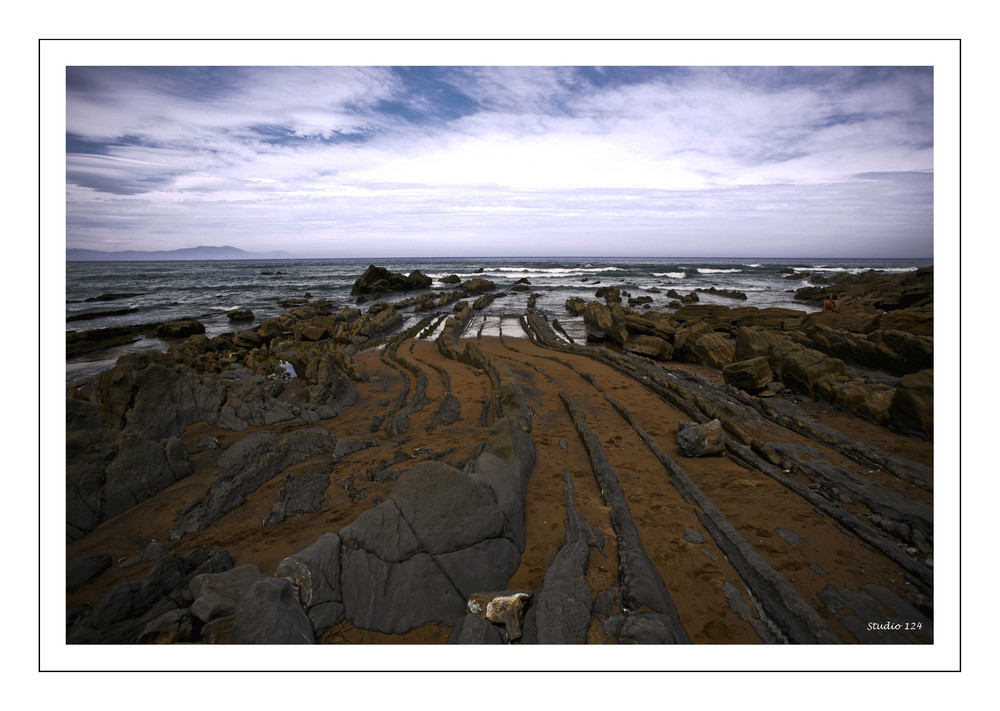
pixel 441 536
pixel 123 426
pixel 701 440
pixel 253 460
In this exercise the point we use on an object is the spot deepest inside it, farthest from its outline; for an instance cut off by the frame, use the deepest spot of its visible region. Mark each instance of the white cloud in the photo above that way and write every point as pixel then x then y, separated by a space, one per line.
pixel 543 154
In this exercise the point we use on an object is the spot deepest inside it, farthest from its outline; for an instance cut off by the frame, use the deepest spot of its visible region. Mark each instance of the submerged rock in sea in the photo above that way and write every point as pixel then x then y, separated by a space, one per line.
pixel 180 329
pixel 376 279
pixel 477 286
pixel 240 315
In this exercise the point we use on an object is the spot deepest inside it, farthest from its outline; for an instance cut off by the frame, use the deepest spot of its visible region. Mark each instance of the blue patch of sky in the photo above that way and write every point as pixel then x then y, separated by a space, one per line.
pixel 202 83
pixel 102 184
pixel 603 77
pixel 439 101
pixel 280 135
pixel 845 119
pixel 75 144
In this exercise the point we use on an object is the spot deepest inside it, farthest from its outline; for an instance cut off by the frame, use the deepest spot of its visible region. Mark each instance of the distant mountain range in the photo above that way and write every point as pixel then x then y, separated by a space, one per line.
pixel 173 255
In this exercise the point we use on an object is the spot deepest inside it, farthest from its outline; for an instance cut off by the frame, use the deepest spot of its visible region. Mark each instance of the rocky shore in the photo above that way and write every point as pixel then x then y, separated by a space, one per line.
pixel 704 474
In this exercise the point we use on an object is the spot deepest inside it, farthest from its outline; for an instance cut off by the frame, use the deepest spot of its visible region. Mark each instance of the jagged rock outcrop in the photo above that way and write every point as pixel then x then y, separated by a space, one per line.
pixel 253 460
pixel 154 609
pixel 700 344
pixel 728 293
pixel 122 426
pixel 606 323
pixel 377 279
pixel 576 305
pixel 873 290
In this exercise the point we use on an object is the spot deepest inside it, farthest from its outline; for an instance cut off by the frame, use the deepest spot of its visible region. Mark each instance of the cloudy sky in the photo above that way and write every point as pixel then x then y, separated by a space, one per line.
pixel 480 161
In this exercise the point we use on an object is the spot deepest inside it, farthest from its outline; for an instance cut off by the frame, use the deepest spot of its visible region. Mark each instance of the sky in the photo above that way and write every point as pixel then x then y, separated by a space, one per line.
pixel 395 161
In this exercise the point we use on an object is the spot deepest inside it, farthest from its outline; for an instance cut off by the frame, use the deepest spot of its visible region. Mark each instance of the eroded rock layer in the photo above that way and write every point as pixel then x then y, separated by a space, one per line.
pixel 709 475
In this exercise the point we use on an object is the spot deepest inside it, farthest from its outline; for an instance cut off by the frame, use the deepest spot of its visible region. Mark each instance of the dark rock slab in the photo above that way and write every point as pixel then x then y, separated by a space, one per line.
pixel 314 574
pixel 217 594
pixel 270 613
pixel 83 570
pixel 172 627
pixel 486 564
pixel 474 629
pixel 299 495
pixel 96 339
pixel 641 584
pixel 395 597
pixel 113 296
pixel 876 615
pixel 446 509
pixel 117 604
pixel 250 462
pixel 151 552
pixel 561 610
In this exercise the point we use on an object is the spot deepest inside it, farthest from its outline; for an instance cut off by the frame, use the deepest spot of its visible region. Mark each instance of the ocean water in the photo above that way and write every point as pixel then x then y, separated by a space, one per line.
pixel 207 290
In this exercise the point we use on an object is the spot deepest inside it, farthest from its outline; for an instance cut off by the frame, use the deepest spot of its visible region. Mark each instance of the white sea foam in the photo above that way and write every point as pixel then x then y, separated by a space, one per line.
pixel 672 275
pixel 528 272
pixel 719 271
pixel 858 270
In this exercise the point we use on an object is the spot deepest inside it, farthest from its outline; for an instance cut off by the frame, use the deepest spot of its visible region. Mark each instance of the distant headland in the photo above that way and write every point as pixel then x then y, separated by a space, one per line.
pixel 189 253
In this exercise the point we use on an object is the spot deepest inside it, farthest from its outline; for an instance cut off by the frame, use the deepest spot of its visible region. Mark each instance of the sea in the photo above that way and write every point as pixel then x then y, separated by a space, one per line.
pixel 207 290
